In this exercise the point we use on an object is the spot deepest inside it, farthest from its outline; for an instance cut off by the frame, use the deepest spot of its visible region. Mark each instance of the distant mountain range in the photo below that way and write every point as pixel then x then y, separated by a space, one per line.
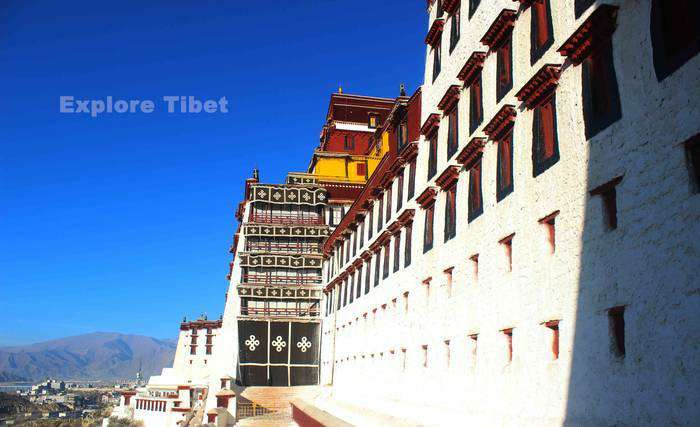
pixel 96 356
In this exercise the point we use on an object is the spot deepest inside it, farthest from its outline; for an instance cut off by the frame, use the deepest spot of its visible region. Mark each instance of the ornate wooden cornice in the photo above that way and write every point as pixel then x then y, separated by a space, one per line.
pixel 471 152
pixel 596 29
pixel 376 246
pixel 500 29
pixel 406 216
pixel 366 255
pixel 539 88
pixel 450 98
pixel 282 194
pixel 427 197
pixel 357 263
pixel 450 6
pixel 448 177
pixel 395 227
pixel 472 68
pixel 501 123
pixel 435 32
pixel 409 152
pixel 285 231
pixel 277 292
pixel 287 261
pixel 384 238
pixel 350 269
pixel 360 216
pixel 431 125
pixel 201 324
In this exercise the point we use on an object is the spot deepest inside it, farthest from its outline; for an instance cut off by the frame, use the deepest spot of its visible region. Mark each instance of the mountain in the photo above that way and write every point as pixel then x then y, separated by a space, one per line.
pixel 96 356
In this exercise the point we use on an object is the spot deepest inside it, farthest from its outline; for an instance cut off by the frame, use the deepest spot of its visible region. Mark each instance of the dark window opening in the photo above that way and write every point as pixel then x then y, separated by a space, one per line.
pixel 692 156
pixel 411 180
pixel 349 142
pixel 507 243
pixel 476 206
pixel 368 277
pixel 509 341
pixel 377 259
pixel 399 192
pixel 351 292
pixel 601 98
pixel 541 33
pixel 437 61
pixel 380 214
pixel 476 110
pixel 475 266
pixel 455 28
pixel 385 272
pixel 473 5
pixel 389 199
pixel 432 157
pixel 505 167
pixel 608 194
pixel 373 121
pixel 675 34
pixel 402 136
pixel 545 142
pixel 504 68
pixel 616 316
pixel 549 224
pixel 397 249
pixel 428 229
pixel 407 246
pixel 370 225
pixel 438 5
pixel 450 213
pixel 452 133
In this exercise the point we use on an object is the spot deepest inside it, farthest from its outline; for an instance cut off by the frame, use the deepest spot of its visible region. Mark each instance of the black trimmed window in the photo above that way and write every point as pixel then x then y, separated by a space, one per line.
pixel 389 200
pixel 362 234
pixel 476 106
pixel 401 136
pixel 452 132
pixel 545 142
pixel 368 276
pixel 675 34
pixel 608 195
pixel 504 179
pixel 438 5
pixel 351 292
pixel 377 262
pixel 692 157
pixel 437 60
pixel 473 5
pixel 541 31
pixel 358 290
pixel 450 213
pixel 399 191
pixel 601 98
pixel 432 157
pixel 380 214
pixel 411 180
pixel 385 270
pixel 339 298
pixel 373 121
pixel 397 251
pixel 428 228
pixel 349 142
pixel 407 246
pixel 504 68
pixel 616 318
pixel 370 224
pixel 455 29
pixel 476 201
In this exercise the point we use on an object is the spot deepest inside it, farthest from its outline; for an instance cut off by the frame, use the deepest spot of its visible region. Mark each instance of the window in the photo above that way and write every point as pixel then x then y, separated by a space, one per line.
pixel 349 142
pixel 438 12
pixel 402 136
pixel 553 325
pixel 193 349
pixel 509 342
pixel 473 5
pixel 692 156
pixel 545 142
pixel 541 33
pixel 338 298
pixel 432 157
pixel 504 68
pixel 475 267
pixel 475 206
pixel 399 192
pixel 358 288
pixel 362 169
pixel 425 355
pixel 380 217
pixel 448 280
pixel 351 291
pixel 616 317
pixel 447 353
pixel 437 60
pixel 428 229
pixel 608 194
pixel 675 34
pixel 403 359
pixel 373 121
pixel 507 243
pixel 385 271
pixel 362 234
pixel 389 200
pixel 452 133
pixel 370 225
pixel 407 246
pixel 505 167
pixel 455 28
pixel 411 180
pixel 397 251
pixel 450 213
pixel 367 276
pixel 208 349
pixel 476 111
pixel 474 344
pixel 377 258
pixel 601 99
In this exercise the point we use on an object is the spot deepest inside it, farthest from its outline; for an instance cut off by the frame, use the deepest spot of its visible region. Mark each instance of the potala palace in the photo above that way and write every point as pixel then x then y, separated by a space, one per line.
pixel 515 242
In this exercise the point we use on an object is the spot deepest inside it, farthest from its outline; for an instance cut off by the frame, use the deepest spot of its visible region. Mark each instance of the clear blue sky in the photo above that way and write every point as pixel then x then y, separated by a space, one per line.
pixel 123 222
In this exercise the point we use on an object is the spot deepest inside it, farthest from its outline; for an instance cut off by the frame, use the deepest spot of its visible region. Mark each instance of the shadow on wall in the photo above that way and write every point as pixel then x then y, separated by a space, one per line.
pixel 636 344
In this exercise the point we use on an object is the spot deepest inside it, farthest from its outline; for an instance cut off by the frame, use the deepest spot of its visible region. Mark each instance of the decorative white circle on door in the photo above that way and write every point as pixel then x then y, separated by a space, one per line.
pixel 304 344
pixel 278 344
pixel 252 343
